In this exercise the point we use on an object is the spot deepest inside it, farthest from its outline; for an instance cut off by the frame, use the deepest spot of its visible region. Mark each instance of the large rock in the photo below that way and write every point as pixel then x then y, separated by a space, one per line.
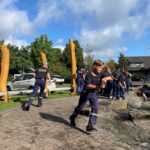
pixel 134 101
pixel 143 123
pixel 139 114
pixel 111 105
pixel 118 105
pixel 145 145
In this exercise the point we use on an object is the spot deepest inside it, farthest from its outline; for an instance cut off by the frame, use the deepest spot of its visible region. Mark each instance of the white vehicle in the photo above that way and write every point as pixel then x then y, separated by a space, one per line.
pixel 58 79
pixel 26 82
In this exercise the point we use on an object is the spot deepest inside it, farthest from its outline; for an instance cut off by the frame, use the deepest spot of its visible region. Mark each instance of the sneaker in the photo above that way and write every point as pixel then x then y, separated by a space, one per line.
pixel 117 98
pixel 72 121
pixel 39 104
pixel 90 129
pixel 27 108
pixel 123 98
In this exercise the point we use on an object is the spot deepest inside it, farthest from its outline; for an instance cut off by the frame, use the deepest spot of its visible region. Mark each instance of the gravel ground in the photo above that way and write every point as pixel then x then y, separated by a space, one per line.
pixel 47 128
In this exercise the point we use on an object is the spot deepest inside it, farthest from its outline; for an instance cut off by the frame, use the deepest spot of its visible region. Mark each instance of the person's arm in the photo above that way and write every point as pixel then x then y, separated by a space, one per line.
pixel 48 77
pixel 109 78
pixel 144 96
pixel 124 83
pixel 122 86
pixel 91 86
pixel 88 83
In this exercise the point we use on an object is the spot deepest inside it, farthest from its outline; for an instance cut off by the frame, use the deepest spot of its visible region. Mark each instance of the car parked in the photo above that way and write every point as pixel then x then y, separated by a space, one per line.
pixel 26 82
pixel 58 79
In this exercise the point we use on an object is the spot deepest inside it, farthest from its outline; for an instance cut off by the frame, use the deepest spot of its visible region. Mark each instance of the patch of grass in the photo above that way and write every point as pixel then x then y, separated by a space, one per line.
pixel 16 101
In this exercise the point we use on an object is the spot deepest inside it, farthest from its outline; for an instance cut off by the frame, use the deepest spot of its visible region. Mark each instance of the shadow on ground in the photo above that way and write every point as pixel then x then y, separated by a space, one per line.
pixel 60 120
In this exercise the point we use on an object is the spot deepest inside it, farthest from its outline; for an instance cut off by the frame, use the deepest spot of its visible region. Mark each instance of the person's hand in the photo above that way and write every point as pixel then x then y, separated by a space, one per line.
pixel 94 86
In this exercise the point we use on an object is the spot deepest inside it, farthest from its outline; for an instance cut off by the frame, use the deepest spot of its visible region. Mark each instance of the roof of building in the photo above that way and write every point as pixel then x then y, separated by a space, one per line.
pixel 140 59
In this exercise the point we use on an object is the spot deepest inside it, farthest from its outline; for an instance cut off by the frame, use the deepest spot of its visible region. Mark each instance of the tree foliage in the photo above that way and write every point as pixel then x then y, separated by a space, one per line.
pixel 40 44
pixel 122 62
pixel 89 59
pixel 79 55
pixel 59 61
pixel 112 64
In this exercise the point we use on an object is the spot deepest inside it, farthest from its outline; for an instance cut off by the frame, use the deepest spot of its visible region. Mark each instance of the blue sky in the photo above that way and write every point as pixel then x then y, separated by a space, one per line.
pixel 107 27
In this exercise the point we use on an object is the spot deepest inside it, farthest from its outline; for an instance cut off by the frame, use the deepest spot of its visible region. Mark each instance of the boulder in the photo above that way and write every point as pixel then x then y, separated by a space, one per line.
pixel 139 114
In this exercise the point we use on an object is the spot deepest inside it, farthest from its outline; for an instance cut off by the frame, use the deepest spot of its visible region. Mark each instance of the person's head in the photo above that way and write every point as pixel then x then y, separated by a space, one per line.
pixel 125 73
pixel 98 66
pixel 45 65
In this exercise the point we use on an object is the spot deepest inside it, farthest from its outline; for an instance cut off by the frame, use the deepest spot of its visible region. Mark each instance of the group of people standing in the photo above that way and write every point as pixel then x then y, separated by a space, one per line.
pixel 99 77
pixel 113 84
pixel 117 84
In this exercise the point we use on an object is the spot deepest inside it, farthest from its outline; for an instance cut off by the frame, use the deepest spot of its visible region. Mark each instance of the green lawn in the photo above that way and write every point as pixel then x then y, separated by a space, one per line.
pixel 16 101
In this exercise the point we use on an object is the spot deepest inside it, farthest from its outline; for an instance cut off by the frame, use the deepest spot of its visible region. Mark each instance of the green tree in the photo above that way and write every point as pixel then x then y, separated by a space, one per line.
pixel 89 59
pixel 79 55
pixel 19 58
pixel 40 44
pixel 56 62
pixel 15 62
pixel 2 41
pixel 112 64
pixel 25 58
pixel 54 55
pixel 122 62
pixel 66 56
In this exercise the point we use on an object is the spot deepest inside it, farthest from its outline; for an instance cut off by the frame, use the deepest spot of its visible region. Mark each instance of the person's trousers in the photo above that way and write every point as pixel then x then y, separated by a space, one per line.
pixel 93 100
pixel 39 83
pixel 80 85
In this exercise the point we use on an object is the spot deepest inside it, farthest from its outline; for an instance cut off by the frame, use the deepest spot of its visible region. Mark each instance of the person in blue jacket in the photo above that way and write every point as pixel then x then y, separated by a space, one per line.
pixel 89 92
pixel 40 76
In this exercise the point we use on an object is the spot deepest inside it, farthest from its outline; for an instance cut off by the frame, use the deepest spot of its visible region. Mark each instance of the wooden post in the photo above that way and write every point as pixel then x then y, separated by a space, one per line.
pixel 4 71
pixel 74 67
pixel 44 60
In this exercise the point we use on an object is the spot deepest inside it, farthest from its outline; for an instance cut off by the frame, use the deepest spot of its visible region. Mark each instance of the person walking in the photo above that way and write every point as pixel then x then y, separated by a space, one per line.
pixel 89 92
pixel 41 76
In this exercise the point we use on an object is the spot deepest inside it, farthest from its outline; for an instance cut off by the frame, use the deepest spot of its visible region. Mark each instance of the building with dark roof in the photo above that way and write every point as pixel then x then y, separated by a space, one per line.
pixel 139 65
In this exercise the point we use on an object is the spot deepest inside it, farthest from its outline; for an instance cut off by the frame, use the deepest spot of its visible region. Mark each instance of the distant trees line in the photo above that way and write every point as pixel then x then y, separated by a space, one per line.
pixel 59 61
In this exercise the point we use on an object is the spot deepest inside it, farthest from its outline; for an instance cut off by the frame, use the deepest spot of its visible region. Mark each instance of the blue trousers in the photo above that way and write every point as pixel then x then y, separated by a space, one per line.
pixel 39 83
pixel 114 89
pixel 122 92
pixel 80 85
pixel 108 89
pixel 93 100
pixel 117 90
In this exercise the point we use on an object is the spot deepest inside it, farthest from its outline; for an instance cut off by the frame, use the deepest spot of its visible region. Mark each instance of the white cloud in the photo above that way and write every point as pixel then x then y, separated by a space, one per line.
pixel 16 42
pixel 99 25
pixel 48 11
pixel 102 42
pixel 62 47
pixel 13 21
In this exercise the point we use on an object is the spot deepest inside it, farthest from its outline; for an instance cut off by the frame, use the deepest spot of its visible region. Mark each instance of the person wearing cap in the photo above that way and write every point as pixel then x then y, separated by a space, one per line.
pixel 41 76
